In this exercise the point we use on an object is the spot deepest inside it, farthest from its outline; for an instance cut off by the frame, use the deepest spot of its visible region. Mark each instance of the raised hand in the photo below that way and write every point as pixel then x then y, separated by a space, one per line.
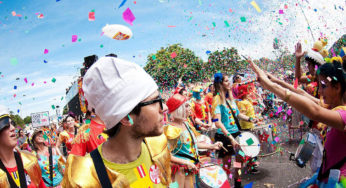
pixel 298 51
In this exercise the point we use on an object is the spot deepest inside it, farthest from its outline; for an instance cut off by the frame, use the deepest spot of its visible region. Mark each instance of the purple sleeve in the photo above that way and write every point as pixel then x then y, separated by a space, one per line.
pixel 343 115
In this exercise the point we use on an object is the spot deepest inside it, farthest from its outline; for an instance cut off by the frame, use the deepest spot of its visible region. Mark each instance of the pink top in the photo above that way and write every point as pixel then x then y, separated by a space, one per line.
pixel 335 147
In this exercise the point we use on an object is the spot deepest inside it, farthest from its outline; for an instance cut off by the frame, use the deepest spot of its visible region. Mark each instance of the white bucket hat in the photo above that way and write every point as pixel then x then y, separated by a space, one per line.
pixel 113 87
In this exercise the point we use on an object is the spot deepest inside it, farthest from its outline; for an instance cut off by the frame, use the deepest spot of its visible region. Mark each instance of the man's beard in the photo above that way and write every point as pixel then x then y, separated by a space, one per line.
pixel 139 132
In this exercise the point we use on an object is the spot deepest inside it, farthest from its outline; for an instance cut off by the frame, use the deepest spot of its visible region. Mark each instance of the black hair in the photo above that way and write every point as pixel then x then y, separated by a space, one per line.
pixel 335 72
pixel 114 130
pixel 69 115
pixel 182 91
pixel 218 85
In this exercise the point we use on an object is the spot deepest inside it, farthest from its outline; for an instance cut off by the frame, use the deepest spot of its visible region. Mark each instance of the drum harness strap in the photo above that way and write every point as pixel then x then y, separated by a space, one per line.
pixel 193 142
pixel 234 117
pixel 100 169
pixel 21 172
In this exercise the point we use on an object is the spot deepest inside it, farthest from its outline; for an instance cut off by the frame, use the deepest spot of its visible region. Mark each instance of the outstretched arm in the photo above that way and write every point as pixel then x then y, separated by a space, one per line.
pixel 303 104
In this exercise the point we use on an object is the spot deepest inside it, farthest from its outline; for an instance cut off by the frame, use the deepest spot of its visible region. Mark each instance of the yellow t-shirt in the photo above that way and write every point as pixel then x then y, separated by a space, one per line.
pixel 245 107
pixel 140 173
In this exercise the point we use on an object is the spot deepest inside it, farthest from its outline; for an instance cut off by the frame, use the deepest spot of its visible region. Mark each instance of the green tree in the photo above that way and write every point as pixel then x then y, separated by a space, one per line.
pixel 17 120
pixel 227 61
pixel 168 64
pixel 65 110
pixel 27 119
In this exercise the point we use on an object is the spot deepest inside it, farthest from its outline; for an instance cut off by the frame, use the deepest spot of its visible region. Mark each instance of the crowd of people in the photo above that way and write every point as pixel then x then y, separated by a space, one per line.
pixel 135 136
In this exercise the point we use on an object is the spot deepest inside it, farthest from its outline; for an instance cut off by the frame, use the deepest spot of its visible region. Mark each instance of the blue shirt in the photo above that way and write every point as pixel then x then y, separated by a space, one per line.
pixel 44 164
pixel 186 144
pixel 227 117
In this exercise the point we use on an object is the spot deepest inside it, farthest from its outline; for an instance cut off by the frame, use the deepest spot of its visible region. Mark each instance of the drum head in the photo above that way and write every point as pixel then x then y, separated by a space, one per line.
pixel 212 175
pixel 204 139
pixel 249 144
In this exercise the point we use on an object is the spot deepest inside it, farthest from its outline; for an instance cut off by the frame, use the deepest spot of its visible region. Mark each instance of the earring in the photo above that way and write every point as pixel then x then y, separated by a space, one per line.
pixel 130 119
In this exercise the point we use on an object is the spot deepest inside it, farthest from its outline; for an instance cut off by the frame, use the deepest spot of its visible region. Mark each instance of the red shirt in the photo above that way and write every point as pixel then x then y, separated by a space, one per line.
pixel 15 176
pixel 88 140
pixel 200 110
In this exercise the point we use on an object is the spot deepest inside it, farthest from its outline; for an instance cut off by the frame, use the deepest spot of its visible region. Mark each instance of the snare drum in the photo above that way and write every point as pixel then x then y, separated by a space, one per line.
pixel 206 140
pixel 265 135
pixel 249 143
pixel 211 175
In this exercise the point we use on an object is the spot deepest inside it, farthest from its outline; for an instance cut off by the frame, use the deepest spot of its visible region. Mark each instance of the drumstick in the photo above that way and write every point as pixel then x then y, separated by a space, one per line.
pixel 208 165
pixel 224 148
pixel 243 145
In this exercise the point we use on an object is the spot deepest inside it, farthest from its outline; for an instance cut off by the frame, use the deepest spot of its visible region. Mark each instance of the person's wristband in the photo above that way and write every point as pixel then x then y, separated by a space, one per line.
pixel 287 95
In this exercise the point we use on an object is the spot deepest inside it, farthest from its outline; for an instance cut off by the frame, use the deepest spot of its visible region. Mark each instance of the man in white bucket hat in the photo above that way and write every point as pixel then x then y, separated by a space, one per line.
pixel 125 97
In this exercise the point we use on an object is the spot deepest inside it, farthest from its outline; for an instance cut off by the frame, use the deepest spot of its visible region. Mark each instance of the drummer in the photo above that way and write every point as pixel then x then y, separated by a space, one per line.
pixel 200 110
pixel 245 107
pixel 226 122
pixel 183 143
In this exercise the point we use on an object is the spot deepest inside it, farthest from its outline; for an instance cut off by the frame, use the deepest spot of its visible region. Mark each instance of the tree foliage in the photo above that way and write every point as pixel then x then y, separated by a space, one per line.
pixel 17 120
pixel 168 64
pixel 227 61
pixel 27 119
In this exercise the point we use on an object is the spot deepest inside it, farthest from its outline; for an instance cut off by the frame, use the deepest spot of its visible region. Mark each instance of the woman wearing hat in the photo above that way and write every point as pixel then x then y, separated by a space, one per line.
pixel 225 114
pixel 200 110
pixel 43 154
pixel 183 143
pixel 17 169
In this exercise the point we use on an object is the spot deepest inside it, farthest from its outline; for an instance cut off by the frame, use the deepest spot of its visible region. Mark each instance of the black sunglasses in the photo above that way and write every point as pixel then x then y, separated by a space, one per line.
pixel 158 99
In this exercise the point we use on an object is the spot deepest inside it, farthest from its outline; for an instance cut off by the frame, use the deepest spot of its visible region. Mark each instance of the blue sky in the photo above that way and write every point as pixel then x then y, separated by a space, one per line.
pixel 25 38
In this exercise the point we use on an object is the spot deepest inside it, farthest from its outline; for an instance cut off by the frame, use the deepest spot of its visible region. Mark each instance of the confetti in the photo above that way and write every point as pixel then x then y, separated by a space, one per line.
pixel 236 165
pixel 53 80
pixel 13 13
pixel 173 55
pixel 254 4
pixel 249 185
pixel 281 11
pixel 74 38
pixel 128 16
pixel 14 61
pixel 296 83
pixel 226 23
pixel 242 19
pixel 122 3
pixel 40 16
pixel 44 61
pixel 26 80
pixel 45 51
pixel 277 139
pixel 249 141
pixel 91 16
pixel 15 87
